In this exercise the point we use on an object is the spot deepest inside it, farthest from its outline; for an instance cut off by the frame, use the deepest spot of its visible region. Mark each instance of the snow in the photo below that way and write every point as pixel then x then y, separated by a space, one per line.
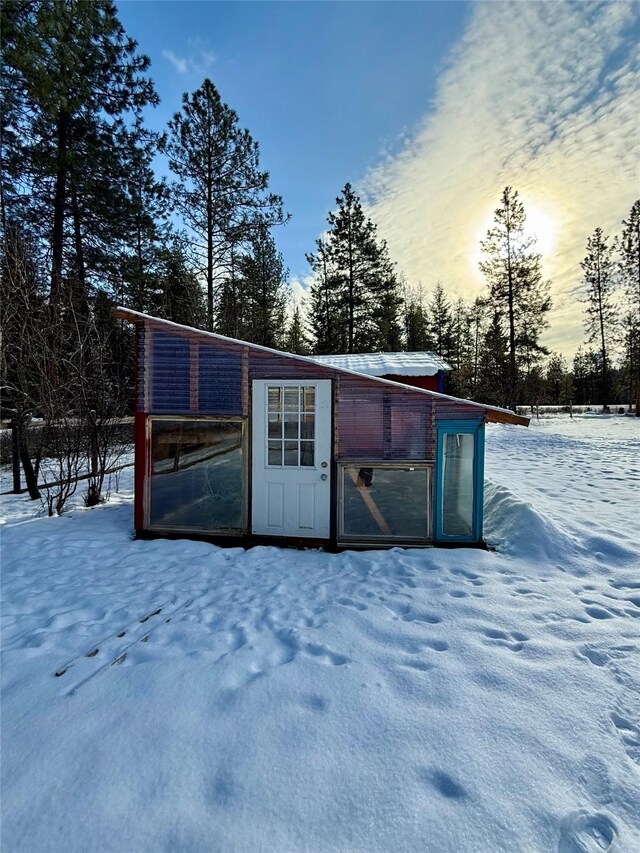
pixel 382 363
pixel 434 700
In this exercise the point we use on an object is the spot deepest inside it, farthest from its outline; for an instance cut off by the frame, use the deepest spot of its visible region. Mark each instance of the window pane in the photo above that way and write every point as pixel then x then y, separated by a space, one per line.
pixel 291 453
pixel 274 396
pixel 307 453
pixel 291 399
pixel 291 425
pixel 308 398
pixel 197 480
pixel 275 453
pixel 387 502
pixel 275 426
pixel 307 427
pixel 457 484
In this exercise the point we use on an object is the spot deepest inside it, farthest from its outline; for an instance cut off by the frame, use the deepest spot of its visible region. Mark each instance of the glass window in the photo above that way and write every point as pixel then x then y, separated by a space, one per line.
pixel 457 484
pixel 291 425
pixel 384 501
pixel 197 475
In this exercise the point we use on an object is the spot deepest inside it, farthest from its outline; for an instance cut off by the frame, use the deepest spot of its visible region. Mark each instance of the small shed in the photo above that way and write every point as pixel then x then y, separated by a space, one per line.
pixel 421 369
pixel 239 443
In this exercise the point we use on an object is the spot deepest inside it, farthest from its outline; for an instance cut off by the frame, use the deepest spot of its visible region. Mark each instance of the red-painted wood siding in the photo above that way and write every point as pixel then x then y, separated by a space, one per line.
pixel 184 372
pixel 430 383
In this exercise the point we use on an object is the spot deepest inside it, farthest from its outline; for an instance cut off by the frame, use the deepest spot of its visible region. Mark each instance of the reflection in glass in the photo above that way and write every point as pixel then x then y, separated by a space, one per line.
pixel 309 398
pixel 307 426
pixel 291 399
pixel 385 502
pixel 275 453
pixel 457 484
pixel 291 453
pixel 197 479
pixel 275 426
pixel 291 425
pixel 306 453
pixel 274 396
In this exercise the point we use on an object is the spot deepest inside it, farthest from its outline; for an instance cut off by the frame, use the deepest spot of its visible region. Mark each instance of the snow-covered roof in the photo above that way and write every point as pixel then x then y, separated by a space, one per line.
pixel 384 363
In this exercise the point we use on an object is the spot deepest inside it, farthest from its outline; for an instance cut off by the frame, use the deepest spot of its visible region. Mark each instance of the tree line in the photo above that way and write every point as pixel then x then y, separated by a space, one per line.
pixel 87 223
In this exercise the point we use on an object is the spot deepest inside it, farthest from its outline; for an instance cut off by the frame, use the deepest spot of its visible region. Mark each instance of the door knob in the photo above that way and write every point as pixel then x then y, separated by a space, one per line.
pixel 323 476
pixel 323 464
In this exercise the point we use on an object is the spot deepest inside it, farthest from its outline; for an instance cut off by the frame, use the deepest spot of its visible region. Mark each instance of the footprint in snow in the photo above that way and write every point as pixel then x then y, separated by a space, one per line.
pixel 582 832
pixel 350 603
pixel 629 735
pixel 513 640
pixel 444 784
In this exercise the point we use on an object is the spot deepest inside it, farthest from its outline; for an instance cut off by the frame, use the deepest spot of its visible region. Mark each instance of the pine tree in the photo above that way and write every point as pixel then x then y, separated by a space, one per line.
pixel 493 375
pixel 326 320
pixel 295 339
pixel 181 294
pixel 601 316
pixel 355 299
pixel 79 77
pixel 415 320
pixel 222 193
pixel 263 281
pixel 629 271
pixel 517 290
pixel 440 321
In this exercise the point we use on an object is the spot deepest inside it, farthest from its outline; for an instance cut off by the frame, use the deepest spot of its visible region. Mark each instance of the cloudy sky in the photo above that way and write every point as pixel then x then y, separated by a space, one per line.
pixel 429 109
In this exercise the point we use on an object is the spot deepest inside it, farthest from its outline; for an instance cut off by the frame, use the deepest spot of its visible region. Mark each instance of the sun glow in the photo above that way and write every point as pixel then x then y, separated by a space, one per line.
pixel 541 223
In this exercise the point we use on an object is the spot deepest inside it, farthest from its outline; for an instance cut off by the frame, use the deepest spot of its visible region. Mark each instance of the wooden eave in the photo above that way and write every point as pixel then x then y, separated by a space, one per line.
pixel 493 414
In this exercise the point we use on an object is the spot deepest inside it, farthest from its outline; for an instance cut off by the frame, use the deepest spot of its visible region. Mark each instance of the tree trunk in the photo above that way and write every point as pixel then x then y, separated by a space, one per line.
pixel 15 456
pixel 60 194
pixel 30 476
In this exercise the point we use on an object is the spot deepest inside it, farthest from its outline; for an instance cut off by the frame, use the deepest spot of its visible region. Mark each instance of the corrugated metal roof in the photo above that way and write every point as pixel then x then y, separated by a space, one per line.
pixel 383 363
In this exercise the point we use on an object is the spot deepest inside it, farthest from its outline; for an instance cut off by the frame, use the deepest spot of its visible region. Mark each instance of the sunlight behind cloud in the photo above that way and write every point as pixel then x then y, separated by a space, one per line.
pixel 541 97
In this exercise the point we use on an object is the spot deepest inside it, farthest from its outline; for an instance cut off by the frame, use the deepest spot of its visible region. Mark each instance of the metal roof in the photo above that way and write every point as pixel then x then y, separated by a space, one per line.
pixel 384 363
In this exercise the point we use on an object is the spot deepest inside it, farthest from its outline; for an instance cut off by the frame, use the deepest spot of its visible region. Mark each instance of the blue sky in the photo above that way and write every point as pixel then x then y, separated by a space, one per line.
pixel 327 89
pixel 430 109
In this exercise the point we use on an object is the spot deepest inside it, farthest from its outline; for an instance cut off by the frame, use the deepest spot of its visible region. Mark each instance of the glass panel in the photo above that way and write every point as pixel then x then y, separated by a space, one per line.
pixel 291 425
pixel 275 426
pixel 291 453
pixel 307 453
pixel 197 479
pixel 457 484
pixel 384 502
pixel 291 399
pixel 308 398
pixel 274 397
pixel 308 426
pixel 275 453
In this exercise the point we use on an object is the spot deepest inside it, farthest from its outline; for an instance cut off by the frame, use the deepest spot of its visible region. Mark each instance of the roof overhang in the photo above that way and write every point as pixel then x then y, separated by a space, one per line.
pixel 493 414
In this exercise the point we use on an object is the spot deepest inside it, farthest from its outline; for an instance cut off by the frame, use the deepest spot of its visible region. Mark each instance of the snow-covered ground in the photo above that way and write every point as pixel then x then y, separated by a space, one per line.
pixel 435 700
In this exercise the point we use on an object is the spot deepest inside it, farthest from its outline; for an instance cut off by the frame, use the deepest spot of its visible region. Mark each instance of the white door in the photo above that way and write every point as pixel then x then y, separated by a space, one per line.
pixel 291 464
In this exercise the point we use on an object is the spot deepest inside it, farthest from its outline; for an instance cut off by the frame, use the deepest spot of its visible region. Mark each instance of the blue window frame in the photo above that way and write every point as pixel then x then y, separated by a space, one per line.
pixel 459 481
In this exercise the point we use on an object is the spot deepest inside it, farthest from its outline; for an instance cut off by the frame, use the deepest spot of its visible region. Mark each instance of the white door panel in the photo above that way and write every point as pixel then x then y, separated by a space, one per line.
pixel 291 470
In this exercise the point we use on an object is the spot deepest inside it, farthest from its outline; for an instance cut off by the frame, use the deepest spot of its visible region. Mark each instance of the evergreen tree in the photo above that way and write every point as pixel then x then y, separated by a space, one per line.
pixel 355 297
pixel 440 322
pixel 516 287
pixel 415 320
pixel 326 320
pixel 629 270
pixel 78 78
pixel 263 281
pixel 295 339
pixel 222 193
pixel 494 360
pixel 181 294
pixel 600 320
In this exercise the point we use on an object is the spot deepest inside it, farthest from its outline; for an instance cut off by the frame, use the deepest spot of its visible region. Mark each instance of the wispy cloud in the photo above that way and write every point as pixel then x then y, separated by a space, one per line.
pixel 541 96
pixel 198 59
